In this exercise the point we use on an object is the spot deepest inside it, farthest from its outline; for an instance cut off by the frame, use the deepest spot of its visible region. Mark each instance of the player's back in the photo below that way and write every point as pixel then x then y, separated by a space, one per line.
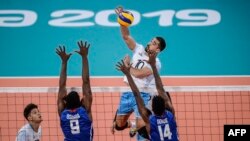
pixel 76 125
pixel 163 128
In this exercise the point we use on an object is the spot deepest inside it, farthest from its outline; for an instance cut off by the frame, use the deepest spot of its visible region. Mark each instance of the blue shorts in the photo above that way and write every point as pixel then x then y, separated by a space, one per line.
pixel 128 103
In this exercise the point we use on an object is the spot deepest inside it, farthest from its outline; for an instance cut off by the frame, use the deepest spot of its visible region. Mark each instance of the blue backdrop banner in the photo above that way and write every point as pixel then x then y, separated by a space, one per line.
pixel 209 37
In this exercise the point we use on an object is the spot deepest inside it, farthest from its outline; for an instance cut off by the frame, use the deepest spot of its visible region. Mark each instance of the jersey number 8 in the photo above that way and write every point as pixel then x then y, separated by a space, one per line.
pixel 74 125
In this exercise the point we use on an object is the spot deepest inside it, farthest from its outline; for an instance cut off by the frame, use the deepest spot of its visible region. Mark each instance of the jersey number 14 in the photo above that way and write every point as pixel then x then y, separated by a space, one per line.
pixel 166 134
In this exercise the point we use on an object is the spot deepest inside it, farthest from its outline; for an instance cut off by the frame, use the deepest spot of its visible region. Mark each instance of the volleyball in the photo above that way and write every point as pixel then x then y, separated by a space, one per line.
pixel 125 18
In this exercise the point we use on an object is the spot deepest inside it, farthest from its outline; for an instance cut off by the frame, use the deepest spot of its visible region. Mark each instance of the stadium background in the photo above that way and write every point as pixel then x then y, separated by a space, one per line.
pixel 197 55
pixel 219 49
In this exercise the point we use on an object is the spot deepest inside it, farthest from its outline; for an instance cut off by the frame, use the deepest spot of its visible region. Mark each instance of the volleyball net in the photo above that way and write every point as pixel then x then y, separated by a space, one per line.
pixel 201 111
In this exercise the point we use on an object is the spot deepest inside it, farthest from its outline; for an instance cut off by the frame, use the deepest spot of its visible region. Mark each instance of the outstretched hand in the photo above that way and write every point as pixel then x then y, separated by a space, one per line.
pixel 62 53
pixel 151 58
pixel 119 10
pixel 83 48
pixel 126 60
pixel 122 67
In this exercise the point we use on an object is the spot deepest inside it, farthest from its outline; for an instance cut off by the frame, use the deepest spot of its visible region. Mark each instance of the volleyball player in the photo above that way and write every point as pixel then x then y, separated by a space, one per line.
pixel 142 75
pixel 32 130
pixel 75 115
pixel 161 125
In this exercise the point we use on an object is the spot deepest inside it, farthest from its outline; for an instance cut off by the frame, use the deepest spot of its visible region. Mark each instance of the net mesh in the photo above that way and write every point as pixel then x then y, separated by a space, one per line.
pixel 201 111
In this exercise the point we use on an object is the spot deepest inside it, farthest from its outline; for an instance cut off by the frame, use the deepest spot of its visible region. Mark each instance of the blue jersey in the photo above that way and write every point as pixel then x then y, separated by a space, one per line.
pixel 76 125
pixel 163 128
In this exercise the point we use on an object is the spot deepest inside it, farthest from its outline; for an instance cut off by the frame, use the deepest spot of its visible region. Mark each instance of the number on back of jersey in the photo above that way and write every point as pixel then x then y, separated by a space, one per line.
pixel 166 133
pixel 74 126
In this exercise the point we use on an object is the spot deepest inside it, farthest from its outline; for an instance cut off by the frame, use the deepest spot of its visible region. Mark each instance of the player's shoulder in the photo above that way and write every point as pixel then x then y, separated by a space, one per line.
pixel 153 117
pixel 169 115
pixel 24 130
pixel 138 48
pixel 81 108
pixel 21 132
pixel 21 135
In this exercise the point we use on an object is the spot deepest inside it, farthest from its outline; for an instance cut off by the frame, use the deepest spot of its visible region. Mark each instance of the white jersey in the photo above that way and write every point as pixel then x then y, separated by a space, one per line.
pixel 26 133
pixel 138 62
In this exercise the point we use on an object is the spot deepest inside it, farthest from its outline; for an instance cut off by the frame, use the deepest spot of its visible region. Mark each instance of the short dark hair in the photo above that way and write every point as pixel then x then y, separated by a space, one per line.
pixel 158 105
pixel 72 100
pixel 28 109
pixel 162 43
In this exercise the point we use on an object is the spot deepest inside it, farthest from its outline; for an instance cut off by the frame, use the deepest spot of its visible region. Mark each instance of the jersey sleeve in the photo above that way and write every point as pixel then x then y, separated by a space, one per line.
pixel 138 48
pixel 21 136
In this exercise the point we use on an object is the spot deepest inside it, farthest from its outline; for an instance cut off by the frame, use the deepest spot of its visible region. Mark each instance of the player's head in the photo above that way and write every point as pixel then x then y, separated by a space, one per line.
pixel 158 105
pixel 32 114
pixel 72 100
pixel 157 44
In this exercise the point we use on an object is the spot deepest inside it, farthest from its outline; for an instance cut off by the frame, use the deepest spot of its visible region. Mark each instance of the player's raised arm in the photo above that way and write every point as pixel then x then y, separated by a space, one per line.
pixel 158 82
pixel 63 78
pixel 86 88
pixel 142 109
pixel 125 32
